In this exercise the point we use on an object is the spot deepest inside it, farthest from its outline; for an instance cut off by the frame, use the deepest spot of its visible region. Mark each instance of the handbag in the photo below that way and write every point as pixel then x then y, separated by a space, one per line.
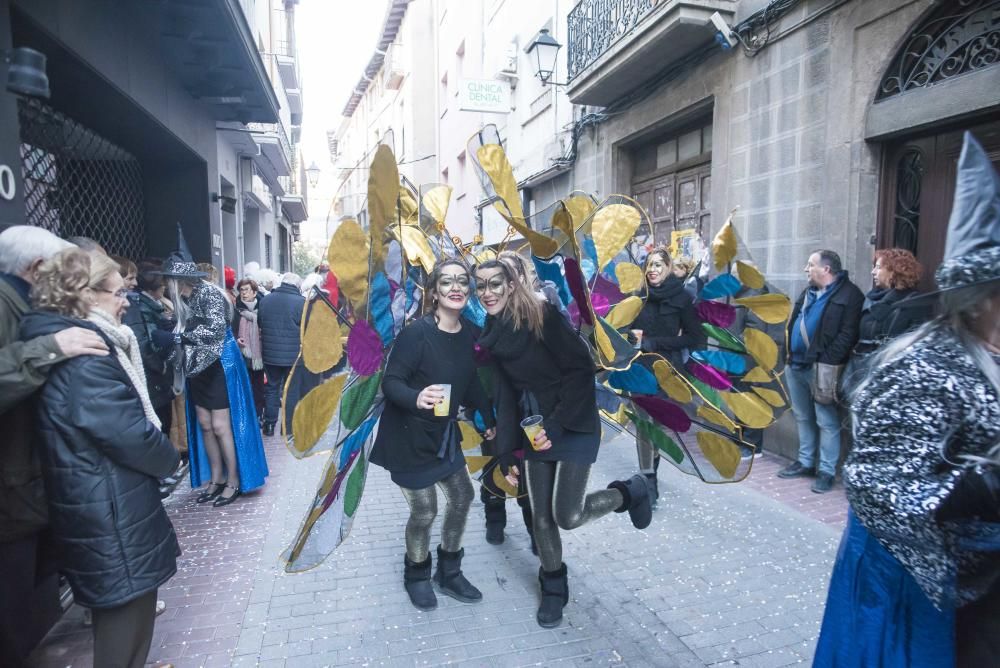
pixel 825 377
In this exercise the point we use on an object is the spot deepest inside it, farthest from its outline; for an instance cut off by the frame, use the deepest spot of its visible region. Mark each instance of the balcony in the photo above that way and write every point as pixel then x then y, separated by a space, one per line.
pixel 615 46
pixel 275 157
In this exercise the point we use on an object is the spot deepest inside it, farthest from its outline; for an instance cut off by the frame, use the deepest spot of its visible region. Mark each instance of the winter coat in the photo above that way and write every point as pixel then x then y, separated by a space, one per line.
pixel 240 307
pixel 23 369
pixel 278 317
pixel 917 418
pixel 668 321
pixel 144 315
pixel 838 326
pixel 885 315
pixel 101 460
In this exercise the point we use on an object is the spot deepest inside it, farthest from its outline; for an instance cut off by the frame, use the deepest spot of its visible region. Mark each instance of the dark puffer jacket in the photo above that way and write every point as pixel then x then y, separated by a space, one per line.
pixel 278 317
pixel 101 459
pixel 145 315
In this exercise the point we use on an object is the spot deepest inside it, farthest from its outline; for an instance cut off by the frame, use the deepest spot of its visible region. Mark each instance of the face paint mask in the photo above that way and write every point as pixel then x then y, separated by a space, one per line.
pixel 449 283
pixel 495 284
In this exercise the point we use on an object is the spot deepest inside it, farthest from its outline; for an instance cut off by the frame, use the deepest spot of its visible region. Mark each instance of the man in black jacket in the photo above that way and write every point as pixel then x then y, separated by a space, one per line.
pixel 279 317
pixel 822 331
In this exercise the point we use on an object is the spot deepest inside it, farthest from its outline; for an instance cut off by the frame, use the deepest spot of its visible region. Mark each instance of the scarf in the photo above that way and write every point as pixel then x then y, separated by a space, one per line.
pixel 250 334
pixel 668 289
pixel 127 351
pixel 502 340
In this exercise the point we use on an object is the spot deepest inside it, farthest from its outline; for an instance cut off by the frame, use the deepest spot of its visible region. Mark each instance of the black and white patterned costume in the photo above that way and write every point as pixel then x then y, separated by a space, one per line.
pixel 914 420
pixel 206 328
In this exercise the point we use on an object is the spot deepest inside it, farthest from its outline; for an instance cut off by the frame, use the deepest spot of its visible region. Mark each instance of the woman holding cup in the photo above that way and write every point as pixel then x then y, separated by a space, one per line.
pixel 667 325
pixel 544 369
pixel 430 371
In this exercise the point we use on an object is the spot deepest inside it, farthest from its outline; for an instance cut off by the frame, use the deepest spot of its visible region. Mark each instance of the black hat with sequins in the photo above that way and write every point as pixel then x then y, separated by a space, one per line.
pixel 972 251
pixel 180 264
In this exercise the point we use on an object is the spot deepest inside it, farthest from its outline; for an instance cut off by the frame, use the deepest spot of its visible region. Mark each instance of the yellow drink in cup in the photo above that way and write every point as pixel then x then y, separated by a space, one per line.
pixel 443 407
pixel 531 426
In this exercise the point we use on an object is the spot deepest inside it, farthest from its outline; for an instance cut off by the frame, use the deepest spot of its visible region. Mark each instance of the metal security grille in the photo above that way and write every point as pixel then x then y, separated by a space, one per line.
pixel 76 183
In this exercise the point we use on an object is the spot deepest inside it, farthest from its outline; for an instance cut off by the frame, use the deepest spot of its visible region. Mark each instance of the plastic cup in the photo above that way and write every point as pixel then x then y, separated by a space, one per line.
pixel 531 426
pixel 443 407
pixel 637 333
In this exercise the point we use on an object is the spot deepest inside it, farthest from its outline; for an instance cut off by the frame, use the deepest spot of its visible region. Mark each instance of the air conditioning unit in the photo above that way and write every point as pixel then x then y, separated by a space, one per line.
pixel 393 71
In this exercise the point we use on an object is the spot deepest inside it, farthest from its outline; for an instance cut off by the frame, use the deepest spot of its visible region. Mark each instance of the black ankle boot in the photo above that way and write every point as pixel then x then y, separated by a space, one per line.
pixel 449 579
pixel 635 499
pixel 654 488
pixel 417 580
pixel 269 429
pixel 496 517
pixel 555 596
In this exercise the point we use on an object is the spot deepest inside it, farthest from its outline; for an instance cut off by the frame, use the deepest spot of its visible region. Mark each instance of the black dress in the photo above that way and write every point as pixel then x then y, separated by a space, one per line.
pixel 553 376
pixel 417 447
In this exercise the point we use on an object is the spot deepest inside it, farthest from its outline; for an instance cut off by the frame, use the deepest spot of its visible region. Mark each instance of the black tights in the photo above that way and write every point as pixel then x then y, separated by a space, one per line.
pixel 458 494
pixel 559 500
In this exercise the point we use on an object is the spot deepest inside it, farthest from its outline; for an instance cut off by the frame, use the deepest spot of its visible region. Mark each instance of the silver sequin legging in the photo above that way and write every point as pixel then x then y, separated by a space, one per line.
pixel 559 500
pixel 647 455
pixel 458 495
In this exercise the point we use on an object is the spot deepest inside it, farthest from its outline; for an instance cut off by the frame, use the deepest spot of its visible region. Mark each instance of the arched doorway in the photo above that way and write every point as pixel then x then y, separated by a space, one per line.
pixel 941 82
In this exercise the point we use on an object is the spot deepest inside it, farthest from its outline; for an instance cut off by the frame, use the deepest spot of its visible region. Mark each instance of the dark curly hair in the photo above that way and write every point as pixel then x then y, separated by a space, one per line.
pixel 904 270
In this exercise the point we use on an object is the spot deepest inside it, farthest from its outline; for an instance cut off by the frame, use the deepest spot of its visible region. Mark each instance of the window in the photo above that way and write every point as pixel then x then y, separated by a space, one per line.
pixel 443 101
pixel 444 175
pixel 267 250
pixel 460 180
pixel 692 145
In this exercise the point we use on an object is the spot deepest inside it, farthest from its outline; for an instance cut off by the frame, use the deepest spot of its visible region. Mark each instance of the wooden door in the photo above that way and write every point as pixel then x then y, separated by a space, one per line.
pixel 918 189
pixel 678 201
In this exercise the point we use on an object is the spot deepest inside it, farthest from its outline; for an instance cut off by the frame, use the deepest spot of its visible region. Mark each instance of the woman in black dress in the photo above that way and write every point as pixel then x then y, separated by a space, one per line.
pixel 669 328
pixel 545 368
pixel 419 440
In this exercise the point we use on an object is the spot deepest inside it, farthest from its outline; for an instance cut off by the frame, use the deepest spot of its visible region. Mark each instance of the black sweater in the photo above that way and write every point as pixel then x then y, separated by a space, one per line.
pixel 668 321
pixel 410 439
pixel 557 370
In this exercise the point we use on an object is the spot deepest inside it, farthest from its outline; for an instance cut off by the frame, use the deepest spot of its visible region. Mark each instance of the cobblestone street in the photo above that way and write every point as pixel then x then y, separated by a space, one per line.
pixel 725 574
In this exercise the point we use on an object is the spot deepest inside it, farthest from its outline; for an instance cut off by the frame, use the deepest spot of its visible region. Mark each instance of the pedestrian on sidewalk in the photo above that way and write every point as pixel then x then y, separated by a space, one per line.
pixel 223 433
pixel 419 441
pixel 247 332
pixel 279 318
pixel 822 332
pixel 917 576
pixel 29 589
pixel 102 456
pixel 669 327
pixel 541 362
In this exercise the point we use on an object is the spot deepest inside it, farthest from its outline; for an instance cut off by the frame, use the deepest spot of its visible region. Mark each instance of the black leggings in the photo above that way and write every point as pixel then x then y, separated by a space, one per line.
pixel 458 494
pixel 559 500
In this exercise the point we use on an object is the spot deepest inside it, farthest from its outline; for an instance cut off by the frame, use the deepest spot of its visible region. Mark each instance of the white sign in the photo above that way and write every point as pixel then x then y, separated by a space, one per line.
pixel 488 95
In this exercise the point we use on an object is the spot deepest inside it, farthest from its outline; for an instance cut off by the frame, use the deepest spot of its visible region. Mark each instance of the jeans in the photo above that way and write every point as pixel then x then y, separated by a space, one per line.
pixel 276 377
pixel 819 424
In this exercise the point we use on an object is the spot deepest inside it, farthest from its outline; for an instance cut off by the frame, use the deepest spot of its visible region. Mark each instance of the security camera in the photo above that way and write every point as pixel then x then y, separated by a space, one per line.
pixel 724 35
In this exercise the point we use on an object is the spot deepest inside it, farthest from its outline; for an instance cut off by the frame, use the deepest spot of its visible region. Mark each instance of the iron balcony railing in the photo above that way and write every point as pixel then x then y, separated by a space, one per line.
pixel 594 26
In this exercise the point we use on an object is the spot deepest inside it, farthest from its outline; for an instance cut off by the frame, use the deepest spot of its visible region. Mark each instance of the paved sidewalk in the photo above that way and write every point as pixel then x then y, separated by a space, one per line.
pixel 726 575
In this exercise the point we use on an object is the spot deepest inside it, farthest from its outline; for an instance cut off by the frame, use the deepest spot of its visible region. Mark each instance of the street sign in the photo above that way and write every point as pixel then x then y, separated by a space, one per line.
pixel 486 95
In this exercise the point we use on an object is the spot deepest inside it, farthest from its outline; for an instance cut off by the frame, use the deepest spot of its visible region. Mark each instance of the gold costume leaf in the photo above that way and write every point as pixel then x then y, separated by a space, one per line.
pixel 721 452
pixel 501 482
pixel 749 409
pixel 312 414
pixel 761 347
pixel 671 383
pixel 604 343
pixel 408 208
pixel 749 276
pixel 612 227
pixel 383 189
pixel 624 312
pixel 436 201
pixel 494 162
pixel 321 344
pixel 773 309
pixel 770 396
pixel 476 462
pixel 470 437
pixel 416 247
pixel 757 375
pixel 579 207
pixel 724 246
pixel 716 417
pixel 348 257
pixel 629 277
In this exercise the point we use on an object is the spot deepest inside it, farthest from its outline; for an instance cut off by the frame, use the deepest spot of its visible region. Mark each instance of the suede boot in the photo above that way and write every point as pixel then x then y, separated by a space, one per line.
pixel 417 580
pixel 449 579
pixel 496 517
pixel 636 499
pixel 555 596
pixel 268 429
pixel 654 488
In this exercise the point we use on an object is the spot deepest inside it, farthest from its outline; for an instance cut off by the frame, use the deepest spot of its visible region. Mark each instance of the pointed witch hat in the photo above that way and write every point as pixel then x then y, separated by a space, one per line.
pixel 972 250
pixel 180 264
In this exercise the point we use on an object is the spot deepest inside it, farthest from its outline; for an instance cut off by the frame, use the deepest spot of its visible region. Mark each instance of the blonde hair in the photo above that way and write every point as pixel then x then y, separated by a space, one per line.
pixel 517 262
pixel 685 264
pixel 523 307
pixel 61 280
pixel 209 268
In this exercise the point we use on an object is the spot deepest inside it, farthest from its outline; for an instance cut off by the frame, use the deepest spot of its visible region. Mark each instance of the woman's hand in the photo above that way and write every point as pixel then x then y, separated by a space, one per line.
pixel 429 396
pixel 542 441
pixel 490 433
pixel 512 475
pixel 240 341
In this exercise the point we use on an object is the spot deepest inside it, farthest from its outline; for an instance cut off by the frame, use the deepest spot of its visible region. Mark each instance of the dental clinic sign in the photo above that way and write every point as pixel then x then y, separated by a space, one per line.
pixel 486 95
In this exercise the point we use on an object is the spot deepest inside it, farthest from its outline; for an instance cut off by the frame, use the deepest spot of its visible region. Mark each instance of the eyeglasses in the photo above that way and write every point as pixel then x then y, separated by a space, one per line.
pixel 120 294
pixel 497 285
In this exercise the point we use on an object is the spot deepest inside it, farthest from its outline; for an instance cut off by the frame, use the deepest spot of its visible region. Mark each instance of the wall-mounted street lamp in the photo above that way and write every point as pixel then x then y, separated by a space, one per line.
pixel 543 50
pixel 26 74
pixel 312 173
